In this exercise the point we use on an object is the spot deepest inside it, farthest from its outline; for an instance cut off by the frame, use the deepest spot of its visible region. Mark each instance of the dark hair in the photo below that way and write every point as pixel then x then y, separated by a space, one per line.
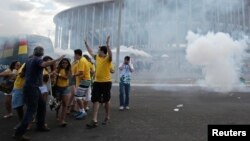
pixel 46 58
pixel 38 51
pixel 87 57
pixel 127 58
pixel 46 78
pixel 78 52
pixel 104 49
pixel 12 65
pixel 68 69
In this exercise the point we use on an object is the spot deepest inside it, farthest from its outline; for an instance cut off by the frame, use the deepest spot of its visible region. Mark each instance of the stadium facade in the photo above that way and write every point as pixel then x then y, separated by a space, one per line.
pixel 140 19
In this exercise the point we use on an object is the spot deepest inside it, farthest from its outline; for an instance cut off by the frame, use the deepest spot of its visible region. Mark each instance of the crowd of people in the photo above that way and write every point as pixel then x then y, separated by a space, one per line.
pixel 69 84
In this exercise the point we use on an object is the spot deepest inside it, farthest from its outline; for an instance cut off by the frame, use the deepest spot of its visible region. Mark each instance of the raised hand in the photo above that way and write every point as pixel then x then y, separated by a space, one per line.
pixel 85 41
pixel 108 38
pixel 60 58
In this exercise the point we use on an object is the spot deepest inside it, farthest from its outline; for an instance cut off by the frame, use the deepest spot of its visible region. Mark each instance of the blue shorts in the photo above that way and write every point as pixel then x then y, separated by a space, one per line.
pixel 17 98
pixel 62 91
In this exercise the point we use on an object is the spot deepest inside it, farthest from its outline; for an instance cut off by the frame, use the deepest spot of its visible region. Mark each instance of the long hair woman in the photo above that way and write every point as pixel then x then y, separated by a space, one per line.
pixel 62 89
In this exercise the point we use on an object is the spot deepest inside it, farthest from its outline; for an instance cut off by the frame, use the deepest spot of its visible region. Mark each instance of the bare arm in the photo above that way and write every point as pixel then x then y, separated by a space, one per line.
pixel 131 68
pixel 89 49
pixel 6 73
pixel 122 66
pixel 79 73
pixel 48 63
pixel 108 48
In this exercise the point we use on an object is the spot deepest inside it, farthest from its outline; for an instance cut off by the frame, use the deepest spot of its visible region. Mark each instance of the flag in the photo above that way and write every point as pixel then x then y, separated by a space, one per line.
pixel 23 47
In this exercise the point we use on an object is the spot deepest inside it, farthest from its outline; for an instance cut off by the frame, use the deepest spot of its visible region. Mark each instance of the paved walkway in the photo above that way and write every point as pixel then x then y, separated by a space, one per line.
pixel 177 114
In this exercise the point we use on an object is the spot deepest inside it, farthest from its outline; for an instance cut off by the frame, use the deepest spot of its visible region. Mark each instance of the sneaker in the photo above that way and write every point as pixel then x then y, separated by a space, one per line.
pixel 77 113
pixel 81 116
pixel 121 108
pixel 21 138
pixel 127 108
pixel 8 116
pixel 92 124
pixel 15 128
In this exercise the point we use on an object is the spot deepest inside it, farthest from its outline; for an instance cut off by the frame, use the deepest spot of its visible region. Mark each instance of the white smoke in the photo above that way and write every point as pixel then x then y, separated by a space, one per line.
pixel 59 51
pixel 68 52
pixel 132 51
pixel 220 57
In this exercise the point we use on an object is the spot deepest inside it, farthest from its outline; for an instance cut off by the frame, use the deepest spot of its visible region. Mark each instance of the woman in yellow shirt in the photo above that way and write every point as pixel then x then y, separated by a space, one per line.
pixel 62 90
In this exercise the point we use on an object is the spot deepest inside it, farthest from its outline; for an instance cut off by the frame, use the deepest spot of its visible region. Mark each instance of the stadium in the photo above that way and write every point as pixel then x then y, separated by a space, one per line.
pixel 73 24
pixel 158 27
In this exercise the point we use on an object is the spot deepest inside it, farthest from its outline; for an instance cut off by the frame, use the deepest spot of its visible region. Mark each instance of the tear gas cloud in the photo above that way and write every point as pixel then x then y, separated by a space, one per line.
pixel 220 57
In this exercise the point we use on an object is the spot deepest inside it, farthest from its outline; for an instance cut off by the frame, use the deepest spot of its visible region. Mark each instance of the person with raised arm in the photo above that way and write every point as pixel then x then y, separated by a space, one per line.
pixel 33 74
pixel 101 92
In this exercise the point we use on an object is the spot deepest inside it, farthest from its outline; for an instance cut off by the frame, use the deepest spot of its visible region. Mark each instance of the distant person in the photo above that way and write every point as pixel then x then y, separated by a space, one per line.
pixel 101 92
pixel 126 68
pixel 82 83
pixel 33 73
pixel 7 85
pixel 62 90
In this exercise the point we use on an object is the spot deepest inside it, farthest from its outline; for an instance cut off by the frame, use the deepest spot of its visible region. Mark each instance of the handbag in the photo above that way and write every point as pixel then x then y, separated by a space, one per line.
pixel 53 103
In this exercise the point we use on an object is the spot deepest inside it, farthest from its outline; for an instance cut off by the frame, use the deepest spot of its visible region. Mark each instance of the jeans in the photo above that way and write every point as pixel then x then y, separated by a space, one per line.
pixel 35 105
pixel 124 94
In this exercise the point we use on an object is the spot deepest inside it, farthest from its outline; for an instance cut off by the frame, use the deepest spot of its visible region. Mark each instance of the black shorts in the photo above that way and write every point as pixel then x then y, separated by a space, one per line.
pixel 101 92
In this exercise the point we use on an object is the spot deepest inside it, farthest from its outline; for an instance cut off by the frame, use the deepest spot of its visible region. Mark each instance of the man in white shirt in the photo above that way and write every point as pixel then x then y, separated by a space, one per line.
pixel 126 68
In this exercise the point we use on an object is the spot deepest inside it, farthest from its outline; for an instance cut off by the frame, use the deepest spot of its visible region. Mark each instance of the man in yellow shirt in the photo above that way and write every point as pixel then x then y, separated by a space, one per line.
pixel 82 82
pixel 102 83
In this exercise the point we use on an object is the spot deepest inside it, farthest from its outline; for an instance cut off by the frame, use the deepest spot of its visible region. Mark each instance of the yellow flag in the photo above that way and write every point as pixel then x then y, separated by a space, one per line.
pixel 23 49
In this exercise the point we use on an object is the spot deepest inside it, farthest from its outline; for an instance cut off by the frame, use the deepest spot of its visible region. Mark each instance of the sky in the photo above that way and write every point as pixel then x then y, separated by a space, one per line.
pixel 32 16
